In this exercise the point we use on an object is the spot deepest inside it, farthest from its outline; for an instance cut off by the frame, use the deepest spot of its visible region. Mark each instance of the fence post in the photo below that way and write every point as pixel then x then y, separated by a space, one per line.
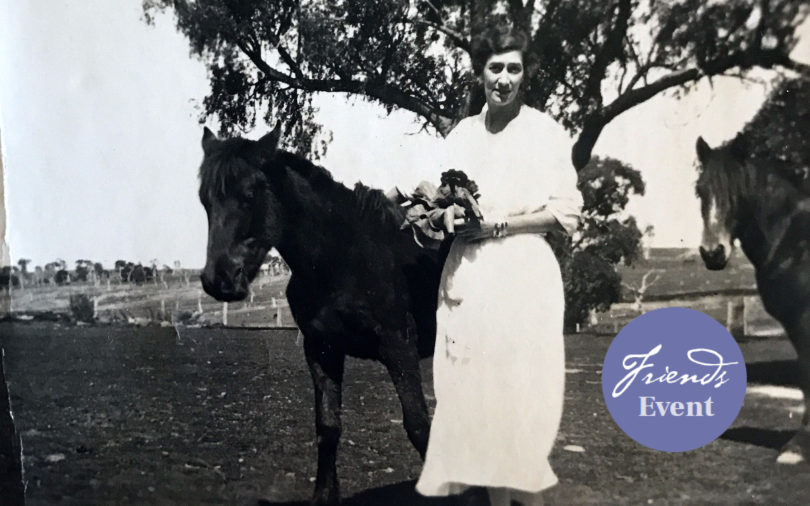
pixel 735 317
pixel 278 317
pixel 224 313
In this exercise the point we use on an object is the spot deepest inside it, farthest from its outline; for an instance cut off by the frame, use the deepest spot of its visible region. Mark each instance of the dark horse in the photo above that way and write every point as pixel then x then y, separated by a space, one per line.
pixel 749 199
pixel 356 277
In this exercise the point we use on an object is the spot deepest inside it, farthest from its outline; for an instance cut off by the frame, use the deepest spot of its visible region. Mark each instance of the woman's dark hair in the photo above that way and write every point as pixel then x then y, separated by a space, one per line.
pixel 497 39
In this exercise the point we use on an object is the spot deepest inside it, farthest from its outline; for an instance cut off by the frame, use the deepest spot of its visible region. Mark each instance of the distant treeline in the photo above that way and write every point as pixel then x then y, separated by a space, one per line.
pixel 87 271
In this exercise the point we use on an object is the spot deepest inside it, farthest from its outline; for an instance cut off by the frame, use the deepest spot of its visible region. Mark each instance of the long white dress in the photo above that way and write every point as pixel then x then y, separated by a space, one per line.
pixel 499 363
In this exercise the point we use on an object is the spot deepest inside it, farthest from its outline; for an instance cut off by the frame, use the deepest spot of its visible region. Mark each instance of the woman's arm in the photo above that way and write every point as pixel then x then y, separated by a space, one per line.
pixel 534 223
pixel 538 222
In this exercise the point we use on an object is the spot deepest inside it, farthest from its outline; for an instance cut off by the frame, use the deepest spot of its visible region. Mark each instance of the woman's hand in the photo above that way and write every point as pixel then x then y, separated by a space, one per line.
pixel 481 230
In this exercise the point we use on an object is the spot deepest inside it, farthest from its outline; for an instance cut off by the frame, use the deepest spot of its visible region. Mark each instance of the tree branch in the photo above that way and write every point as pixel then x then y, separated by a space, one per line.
pixel 380 91
pixel 288 59
pixel 610 51
pixel 457 38
pixel 596 122
pixel 798 67
pixel 521 14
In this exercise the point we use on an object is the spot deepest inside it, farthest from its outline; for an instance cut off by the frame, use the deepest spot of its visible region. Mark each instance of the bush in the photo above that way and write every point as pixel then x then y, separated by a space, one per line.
pixel 81 308
pixel 605 239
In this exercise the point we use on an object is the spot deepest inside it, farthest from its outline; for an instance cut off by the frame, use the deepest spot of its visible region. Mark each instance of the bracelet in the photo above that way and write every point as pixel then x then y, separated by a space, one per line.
pixel 500 229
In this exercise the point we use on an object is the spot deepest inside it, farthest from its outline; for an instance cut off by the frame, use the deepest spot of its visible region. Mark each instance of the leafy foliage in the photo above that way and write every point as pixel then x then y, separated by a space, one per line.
pixel 81 308
pixel 590 60
pixel 605 239
pixel 779 131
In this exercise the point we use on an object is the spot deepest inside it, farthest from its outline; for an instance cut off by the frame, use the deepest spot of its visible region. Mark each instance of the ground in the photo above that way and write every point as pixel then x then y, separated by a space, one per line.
pixel 125 415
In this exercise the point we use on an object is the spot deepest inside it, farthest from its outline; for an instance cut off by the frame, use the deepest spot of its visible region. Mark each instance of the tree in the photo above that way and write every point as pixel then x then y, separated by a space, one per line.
pixel 23 263
pixel 62 277
pixel 50 272
pixel 83 269
pixel 138 274
pixel 594 59
pixel 8 279
pixel 605 238
pixel 778 132
pixel 153 272
pixel 640 291
pixel 649 233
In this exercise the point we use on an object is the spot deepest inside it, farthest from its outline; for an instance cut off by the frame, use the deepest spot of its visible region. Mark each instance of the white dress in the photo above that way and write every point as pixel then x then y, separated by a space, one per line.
pixel 499 363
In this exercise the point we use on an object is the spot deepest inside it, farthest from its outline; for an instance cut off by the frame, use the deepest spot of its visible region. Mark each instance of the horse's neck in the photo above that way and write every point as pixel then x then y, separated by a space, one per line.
pixel 772 213
pixel 313 219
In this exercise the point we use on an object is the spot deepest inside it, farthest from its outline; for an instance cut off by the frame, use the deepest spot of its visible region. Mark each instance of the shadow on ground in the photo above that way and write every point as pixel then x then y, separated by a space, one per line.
pixel 765 438
pixel 397 494
pixel 774 372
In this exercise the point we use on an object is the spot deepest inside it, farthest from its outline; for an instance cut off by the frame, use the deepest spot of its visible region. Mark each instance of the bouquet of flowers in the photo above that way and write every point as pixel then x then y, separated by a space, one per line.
pixel 431 212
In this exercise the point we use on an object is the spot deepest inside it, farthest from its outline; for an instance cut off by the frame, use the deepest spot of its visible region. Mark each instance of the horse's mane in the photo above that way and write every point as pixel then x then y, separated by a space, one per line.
pixel 729 180
pixel 222 169
pixel 732 179
pixel 371 205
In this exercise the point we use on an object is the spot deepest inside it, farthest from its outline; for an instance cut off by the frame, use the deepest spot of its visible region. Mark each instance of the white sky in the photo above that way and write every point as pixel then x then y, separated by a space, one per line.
pixel 101 140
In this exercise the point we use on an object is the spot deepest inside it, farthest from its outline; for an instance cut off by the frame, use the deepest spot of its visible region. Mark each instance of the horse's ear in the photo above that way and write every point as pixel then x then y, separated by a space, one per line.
pixel 703 150
pixel 208 140
pixel 739 148
pixel 268 144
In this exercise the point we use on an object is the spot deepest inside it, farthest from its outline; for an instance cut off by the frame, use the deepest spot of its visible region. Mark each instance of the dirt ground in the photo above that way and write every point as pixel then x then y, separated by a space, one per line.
pixel 123 416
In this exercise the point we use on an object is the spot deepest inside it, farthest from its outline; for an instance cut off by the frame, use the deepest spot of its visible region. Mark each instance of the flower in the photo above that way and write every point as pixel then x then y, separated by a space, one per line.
pixel 431 212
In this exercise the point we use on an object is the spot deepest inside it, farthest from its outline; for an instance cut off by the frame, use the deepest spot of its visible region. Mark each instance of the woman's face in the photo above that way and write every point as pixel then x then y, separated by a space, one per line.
pixel 503 75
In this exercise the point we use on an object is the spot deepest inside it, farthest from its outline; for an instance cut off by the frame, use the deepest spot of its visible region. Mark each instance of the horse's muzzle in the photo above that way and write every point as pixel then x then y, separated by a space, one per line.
pixel 225 288
pixel 715 259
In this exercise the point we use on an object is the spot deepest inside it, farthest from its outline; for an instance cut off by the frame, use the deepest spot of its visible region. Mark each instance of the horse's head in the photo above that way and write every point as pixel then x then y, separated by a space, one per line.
pixel 722 185
pixel 243 214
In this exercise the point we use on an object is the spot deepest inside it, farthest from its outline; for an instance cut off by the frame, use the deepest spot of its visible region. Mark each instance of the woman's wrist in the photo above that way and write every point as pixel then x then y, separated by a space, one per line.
pixel 539 222
pixel 501 229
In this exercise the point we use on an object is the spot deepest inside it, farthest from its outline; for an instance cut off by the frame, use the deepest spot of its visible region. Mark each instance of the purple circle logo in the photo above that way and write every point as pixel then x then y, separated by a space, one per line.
pixel 674 379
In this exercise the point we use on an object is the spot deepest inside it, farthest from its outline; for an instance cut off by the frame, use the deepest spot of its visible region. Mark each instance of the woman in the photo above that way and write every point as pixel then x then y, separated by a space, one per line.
pixel 499 363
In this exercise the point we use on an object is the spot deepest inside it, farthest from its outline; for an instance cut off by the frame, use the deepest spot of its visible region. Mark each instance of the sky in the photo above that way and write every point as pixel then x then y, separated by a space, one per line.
pixel 101 143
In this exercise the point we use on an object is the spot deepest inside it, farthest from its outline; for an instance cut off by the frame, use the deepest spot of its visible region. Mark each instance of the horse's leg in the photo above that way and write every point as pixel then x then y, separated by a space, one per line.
pixel 798 448
pixel 326 367
pixel 398 352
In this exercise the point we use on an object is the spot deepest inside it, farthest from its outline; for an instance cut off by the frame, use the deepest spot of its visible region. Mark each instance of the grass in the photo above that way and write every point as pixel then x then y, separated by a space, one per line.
pixel 155 302
pixel 146 416
pixel 683 281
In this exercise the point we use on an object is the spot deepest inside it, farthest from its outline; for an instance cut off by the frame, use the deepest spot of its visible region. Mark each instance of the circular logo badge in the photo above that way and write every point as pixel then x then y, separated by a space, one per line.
pixel 674 379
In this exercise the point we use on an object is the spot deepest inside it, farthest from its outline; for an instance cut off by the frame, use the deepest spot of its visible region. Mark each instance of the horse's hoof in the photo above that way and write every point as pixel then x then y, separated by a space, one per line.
pixel 325 499
pixel 790 457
